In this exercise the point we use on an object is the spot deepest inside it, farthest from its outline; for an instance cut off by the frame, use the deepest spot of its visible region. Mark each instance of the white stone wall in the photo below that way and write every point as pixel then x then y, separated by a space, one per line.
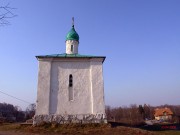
pixel 97 87
pixel 53 80
pixel 64 119
pixel 75 46
pixel 43 87
pixel 59 95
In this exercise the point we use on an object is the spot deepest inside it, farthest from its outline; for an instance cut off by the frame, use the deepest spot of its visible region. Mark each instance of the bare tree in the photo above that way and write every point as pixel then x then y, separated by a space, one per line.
pixel 11 113
pixel 30 111
pixel 6 14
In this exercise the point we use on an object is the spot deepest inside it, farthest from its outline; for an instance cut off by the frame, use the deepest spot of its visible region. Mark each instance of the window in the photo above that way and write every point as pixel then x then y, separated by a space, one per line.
pixel 70 80
pixel 71 94
pixel 164 113
pixel 71 48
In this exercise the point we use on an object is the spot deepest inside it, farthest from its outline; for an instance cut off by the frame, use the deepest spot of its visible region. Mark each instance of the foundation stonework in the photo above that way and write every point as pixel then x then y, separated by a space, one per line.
pixel 66 119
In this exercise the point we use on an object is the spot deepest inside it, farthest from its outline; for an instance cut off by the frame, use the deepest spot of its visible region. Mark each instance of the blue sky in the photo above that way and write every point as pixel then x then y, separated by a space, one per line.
pixel 140 39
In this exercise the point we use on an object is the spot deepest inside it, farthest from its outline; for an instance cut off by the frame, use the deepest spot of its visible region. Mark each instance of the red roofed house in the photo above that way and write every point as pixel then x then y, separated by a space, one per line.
pixel 163 114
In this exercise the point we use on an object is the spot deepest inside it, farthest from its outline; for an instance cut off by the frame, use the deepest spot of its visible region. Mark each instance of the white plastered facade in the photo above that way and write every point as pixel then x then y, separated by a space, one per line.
pixel 72 47
pixel 88 87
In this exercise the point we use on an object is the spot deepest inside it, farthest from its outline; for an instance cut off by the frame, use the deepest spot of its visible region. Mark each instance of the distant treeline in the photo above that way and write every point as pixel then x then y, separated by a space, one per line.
pixel 10 113
pixel 131 115
pixel 135 115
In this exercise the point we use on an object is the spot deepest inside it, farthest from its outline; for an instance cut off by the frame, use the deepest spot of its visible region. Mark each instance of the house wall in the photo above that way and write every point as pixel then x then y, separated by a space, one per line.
pixel 167 117
pixel 43 92
pixel 53 84
pixel 97 87
pixel 59 99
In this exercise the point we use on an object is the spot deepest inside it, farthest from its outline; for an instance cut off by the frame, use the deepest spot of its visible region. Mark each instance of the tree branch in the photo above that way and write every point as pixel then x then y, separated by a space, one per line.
pixel 6 14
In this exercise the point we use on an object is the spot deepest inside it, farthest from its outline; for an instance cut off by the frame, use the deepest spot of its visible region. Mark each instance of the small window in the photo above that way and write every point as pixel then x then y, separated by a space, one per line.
pixel 70 80
pixel 71 48
pixel 71 94
pixel 164 113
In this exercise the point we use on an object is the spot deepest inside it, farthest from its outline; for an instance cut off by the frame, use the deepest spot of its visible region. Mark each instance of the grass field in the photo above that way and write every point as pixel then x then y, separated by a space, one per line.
pixel 170 132
pixel 74 129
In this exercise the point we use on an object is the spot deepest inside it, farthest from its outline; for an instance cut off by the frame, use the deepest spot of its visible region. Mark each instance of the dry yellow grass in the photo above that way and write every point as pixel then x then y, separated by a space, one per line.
pixel 75 129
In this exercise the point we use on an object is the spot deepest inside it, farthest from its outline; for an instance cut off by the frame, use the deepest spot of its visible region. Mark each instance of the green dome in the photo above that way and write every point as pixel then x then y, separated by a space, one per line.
pixel 72 35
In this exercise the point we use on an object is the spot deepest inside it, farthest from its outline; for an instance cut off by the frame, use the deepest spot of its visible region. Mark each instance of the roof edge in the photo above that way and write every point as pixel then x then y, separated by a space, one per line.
pixel 69 56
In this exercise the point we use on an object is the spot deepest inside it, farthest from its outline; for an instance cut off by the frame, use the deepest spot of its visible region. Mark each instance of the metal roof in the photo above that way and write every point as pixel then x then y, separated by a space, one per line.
pixel 64 55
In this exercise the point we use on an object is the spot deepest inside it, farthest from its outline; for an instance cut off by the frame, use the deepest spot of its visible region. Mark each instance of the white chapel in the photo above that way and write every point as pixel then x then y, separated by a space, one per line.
pixel 70 86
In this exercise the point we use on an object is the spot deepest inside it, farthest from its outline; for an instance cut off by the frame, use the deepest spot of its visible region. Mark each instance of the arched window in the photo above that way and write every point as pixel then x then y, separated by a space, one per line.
pixel 70 80
pixel 71 48
pixel 71 94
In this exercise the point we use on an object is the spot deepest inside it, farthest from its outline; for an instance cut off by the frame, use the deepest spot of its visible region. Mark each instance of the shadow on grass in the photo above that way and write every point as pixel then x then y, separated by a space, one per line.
pixel 161 127
pixel 147 127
